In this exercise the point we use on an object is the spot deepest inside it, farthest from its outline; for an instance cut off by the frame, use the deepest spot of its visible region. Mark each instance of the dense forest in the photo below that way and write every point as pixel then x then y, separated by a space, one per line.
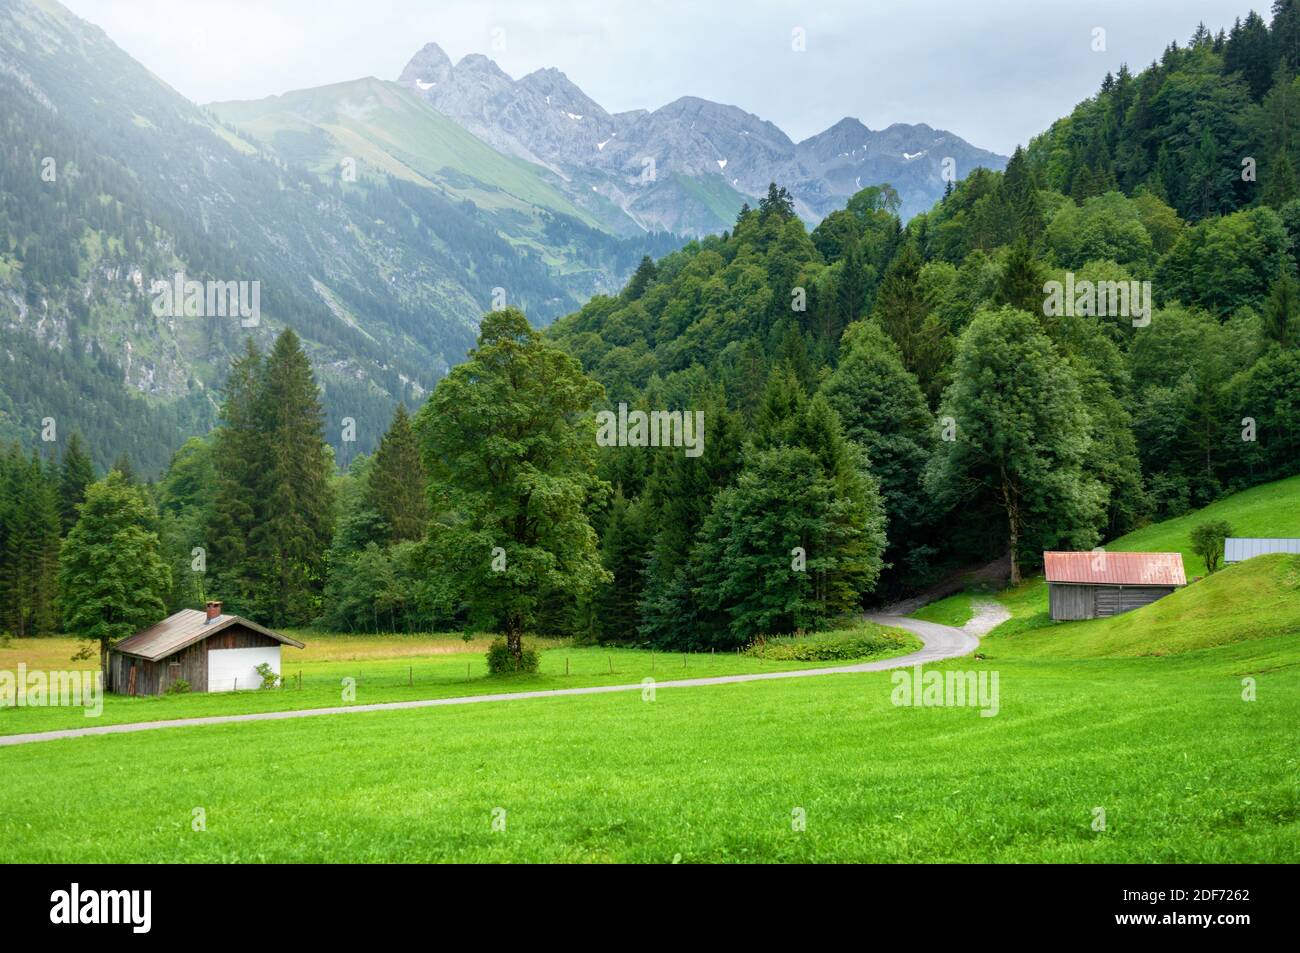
pixel 1106 333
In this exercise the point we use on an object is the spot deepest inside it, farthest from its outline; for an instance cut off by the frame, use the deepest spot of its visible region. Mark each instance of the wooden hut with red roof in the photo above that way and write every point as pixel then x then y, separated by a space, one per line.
pixel 1099 584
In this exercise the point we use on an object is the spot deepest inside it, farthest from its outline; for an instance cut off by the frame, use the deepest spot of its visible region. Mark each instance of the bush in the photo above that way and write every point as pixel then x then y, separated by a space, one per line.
pixel 828 647
pixel 269 677
pixel 501 662
pixel 178 687
pixel 1207 542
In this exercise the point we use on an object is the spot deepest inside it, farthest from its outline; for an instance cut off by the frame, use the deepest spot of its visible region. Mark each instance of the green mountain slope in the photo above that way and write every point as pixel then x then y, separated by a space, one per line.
pixel 113 181
pixel 392 131
pixel 1269 510
pixel 1256 599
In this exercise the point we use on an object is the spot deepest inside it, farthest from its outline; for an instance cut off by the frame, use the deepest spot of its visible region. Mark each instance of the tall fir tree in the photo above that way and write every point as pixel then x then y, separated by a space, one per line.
pixel 396 484
pixel 76 472
pixel 291 538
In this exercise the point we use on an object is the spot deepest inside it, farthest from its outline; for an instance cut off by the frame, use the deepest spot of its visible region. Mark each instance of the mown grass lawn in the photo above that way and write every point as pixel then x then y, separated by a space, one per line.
pixel 1184 769
pixel 387 668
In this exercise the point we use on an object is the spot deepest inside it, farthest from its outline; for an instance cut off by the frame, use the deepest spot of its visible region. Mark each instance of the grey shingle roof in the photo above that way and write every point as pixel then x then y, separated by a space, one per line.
pixel 184 629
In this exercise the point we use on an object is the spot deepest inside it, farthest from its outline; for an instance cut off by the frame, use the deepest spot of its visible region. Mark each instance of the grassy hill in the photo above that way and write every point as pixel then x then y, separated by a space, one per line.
pixel 1272 509
pixel 1257 599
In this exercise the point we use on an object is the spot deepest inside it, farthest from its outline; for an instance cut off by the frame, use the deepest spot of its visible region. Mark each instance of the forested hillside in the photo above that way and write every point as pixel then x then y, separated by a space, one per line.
pixel 992 414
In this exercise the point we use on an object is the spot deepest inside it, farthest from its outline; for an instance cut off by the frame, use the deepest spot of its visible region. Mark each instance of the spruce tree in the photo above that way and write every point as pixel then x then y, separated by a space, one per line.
pixel 907 317
pixel 29 545
pixel 1280 311
pixel 295 500
pixel 623 551
pixel 396 485
pixel 1021 283
pixel 883 410
pixel 75 474
pixel 238 460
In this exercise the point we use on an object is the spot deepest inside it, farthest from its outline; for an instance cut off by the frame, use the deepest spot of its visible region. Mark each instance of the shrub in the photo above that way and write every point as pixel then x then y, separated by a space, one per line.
pixel 501 662
pixel 269 676
pixel 1207 542
pixel 178 687
pixel 828 647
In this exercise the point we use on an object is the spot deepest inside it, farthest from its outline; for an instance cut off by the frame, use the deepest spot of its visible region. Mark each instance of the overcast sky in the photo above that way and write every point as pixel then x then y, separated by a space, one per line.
pixel 993 71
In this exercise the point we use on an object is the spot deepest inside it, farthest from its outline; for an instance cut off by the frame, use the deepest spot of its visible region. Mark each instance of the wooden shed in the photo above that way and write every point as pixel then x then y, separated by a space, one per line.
pixel 211 651
pixel 1098 584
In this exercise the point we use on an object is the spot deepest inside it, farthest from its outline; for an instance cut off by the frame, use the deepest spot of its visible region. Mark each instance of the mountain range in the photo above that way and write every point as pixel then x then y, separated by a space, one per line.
pixel 379 219
pixel 688 166
pixel 113 182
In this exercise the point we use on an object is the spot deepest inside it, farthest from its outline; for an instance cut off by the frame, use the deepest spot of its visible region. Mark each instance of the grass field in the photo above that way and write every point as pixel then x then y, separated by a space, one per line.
pixel 1178 723
pixel 1269 510
pixel 1184 769
pixel 390 668
pixel 1257 599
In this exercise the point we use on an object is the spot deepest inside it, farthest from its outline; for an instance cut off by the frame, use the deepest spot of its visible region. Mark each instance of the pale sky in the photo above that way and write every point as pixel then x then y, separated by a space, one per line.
pixel 993 71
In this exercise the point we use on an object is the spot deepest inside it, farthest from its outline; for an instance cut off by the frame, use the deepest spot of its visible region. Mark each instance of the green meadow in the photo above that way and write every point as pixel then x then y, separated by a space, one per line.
pixel 1169 734
pixel 1182 767
pixel 387 668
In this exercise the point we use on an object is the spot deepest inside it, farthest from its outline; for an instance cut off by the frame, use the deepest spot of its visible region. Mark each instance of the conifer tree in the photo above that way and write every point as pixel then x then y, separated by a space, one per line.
pixel 396 484
pixel 238 460
pixel 1281 321
pixel 76 472
pixel 907 317
pixel 295 501
pixel 1021 282
pixel 623 552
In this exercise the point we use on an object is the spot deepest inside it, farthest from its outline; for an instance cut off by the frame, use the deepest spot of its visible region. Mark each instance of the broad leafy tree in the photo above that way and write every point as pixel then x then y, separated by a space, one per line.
pixel 510 447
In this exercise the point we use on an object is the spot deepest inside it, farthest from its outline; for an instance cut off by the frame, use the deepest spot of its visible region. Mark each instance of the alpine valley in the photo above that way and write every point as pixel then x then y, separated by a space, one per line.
pixel 380 220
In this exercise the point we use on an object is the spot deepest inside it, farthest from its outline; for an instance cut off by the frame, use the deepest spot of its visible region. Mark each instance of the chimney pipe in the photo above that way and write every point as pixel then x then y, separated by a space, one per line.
pixel 214 610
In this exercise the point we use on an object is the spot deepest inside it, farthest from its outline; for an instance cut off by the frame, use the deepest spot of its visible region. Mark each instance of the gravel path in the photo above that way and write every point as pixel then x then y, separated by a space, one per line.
pixel 988 616
pixel 941 642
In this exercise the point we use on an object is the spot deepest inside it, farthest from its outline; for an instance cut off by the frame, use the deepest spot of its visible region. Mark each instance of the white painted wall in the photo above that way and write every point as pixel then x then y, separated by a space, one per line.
pixel 225 666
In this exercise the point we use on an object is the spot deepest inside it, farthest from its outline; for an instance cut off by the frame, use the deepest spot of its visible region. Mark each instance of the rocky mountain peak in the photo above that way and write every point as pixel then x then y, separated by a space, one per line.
pixel 430 64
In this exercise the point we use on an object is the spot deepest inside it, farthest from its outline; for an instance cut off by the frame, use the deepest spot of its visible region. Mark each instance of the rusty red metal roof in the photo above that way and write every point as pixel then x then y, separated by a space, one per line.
pixel 1101 568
